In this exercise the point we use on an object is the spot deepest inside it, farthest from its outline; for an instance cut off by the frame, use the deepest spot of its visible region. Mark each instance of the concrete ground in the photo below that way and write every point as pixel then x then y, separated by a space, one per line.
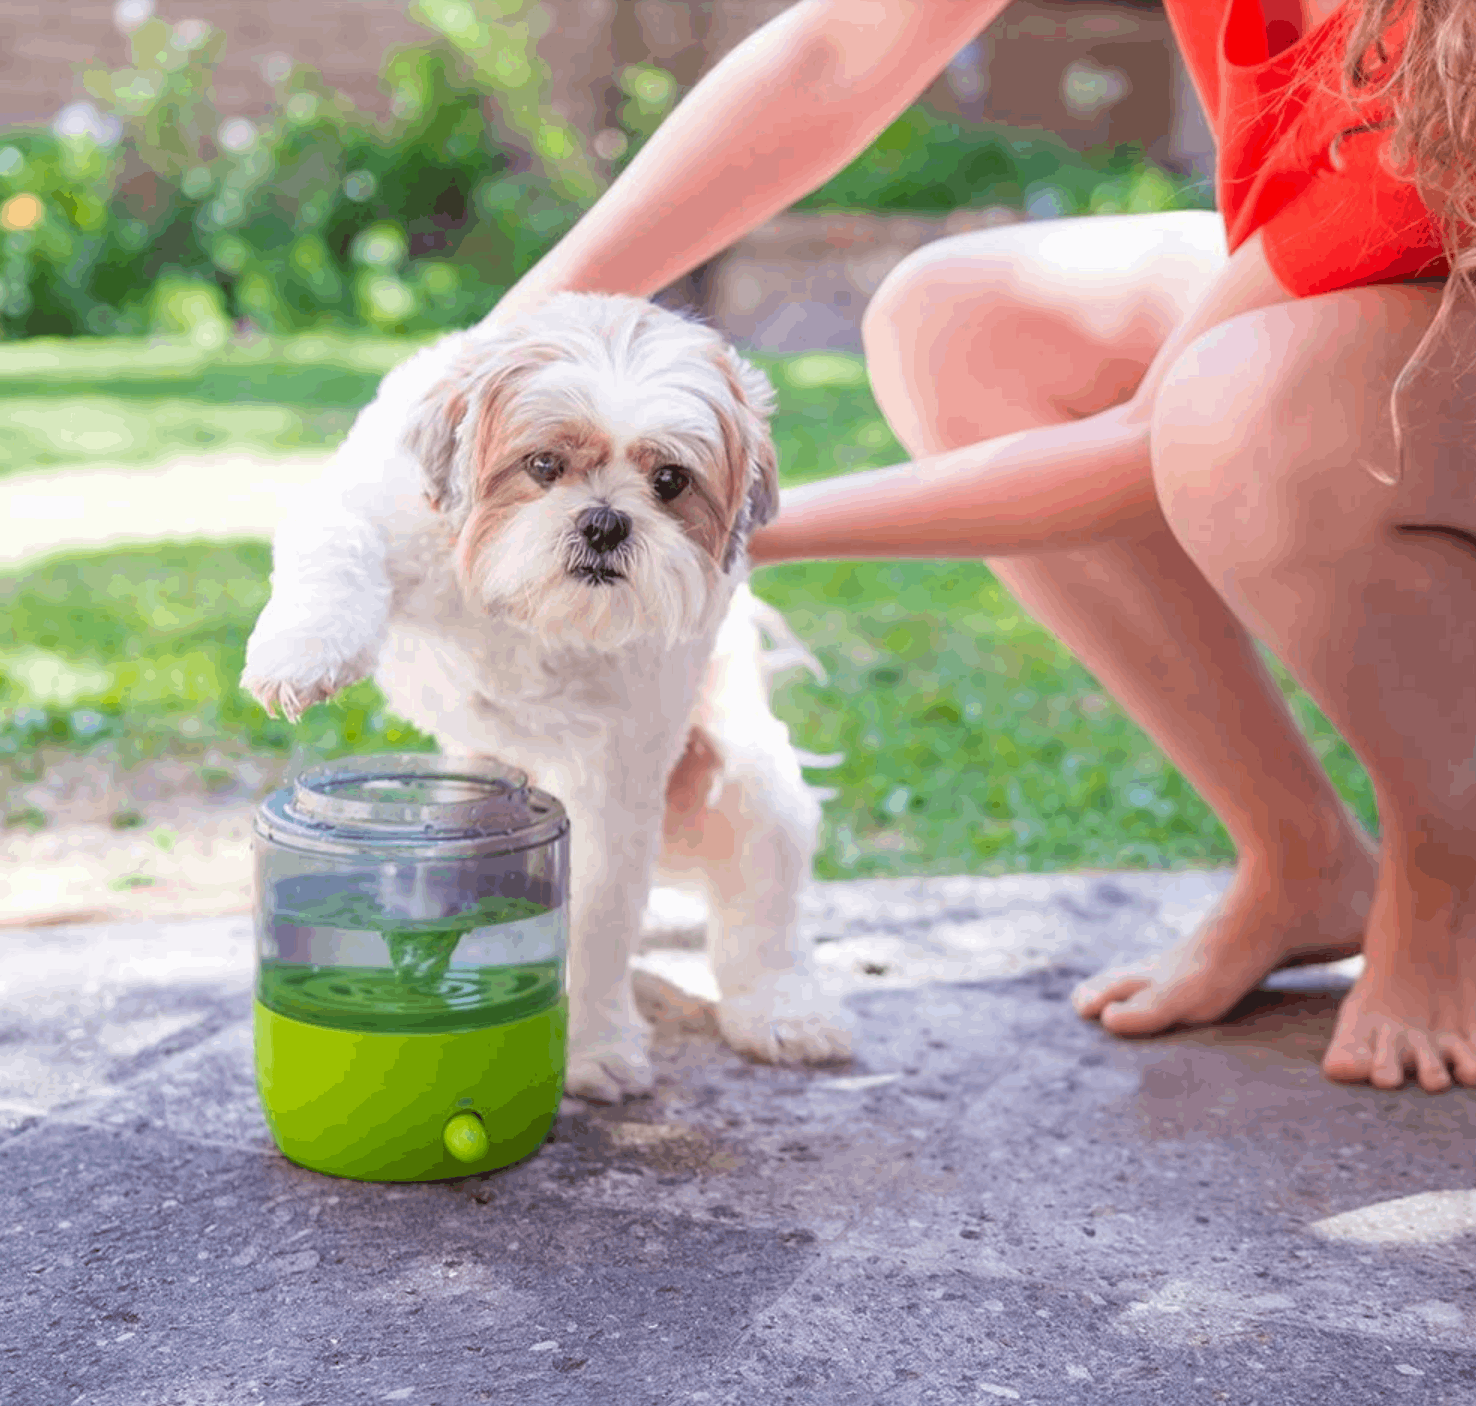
pixel 995 1202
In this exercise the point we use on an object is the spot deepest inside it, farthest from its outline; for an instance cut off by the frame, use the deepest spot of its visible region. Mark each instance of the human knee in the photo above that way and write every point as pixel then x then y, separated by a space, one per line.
pixel 942 279
pixel 1189 487
pixel 1263 432
pixel 1224 434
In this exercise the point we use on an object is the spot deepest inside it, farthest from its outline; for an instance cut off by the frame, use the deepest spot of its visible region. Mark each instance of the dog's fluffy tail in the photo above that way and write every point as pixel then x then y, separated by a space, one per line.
pixel 786 650
pixel 783 652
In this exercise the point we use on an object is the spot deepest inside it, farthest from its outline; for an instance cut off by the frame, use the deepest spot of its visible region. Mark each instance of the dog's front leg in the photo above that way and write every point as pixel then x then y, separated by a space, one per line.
pixel 613 843
pixel 325 623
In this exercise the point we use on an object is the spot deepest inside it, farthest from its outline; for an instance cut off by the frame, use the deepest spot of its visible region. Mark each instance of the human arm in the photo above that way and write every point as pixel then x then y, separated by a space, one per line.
pixel 1049 489
pixel 777 117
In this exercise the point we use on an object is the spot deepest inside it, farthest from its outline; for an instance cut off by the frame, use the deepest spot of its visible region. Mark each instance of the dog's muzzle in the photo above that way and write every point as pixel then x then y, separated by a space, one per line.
pixel 604 532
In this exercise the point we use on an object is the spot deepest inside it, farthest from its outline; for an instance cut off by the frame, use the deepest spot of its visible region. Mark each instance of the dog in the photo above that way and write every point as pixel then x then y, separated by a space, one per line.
pixel 534 540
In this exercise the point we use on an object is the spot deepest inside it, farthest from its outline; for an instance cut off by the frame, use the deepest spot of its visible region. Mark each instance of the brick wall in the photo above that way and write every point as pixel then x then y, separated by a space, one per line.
pixel 1091 71
pixel 45 44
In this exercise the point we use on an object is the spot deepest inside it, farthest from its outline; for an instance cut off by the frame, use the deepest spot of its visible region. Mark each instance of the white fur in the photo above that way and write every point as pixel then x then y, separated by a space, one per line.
pixel 589 688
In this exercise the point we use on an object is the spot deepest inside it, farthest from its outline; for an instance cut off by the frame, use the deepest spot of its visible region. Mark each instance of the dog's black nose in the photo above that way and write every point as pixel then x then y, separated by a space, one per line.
pixel 603 528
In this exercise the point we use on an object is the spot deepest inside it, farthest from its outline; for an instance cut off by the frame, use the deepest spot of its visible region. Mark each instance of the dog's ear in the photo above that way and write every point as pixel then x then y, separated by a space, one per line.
pixel 434 437
pixel 763 489
pixel 754 398
pixel 458 421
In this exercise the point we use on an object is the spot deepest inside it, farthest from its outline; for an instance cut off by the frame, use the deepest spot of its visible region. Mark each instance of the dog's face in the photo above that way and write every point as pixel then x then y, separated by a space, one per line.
pixel 600 465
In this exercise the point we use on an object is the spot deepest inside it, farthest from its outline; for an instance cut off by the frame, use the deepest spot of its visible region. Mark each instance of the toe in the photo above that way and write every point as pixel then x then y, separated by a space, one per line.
pixel 1429 1064
pixel 817 1041
pixel 1460 1054
pixel 1349 1058
pixel 1143 1013
pixel 264 693
pixel 786 1022
pixel 1093 996
pixel 810 1043
pixel 606 1075
pixel 591 1083
pixel 783 1041
pixel 1387 1068
pixel 602 1084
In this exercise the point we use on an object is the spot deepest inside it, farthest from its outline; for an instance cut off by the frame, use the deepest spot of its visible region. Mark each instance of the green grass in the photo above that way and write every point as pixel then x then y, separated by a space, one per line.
pixel 140 401
pixel 972 741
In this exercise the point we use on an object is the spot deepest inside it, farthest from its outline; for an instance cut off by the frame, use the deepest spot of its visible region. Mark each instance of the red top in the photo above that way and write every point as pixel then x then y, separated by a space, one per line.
pixel 1322 228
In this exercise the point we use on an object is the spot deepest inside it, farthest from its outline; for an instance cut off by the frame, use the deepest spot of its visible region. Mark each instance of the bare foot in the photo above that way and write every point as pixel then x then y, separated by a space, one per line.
pixel 1262 923
pixel 1414 1006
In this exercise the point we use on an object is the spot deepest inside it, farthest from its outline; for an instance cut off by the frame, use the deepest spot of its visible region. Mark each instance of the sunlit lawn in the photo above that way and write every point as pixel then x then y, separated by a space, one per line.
pixel 972 742
pixel 140 401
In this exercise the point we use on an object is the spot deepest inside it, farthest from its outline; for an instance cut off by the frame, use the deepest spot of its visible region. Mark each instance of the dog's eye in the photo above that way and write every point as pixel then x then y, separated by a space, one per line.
pixel 669 482
pixel 545 468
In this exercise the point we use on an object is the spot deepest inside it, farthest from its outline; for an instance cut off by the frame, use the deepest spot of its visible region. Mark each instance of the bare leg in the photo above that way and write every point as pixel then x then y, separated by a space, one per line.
pixel 988 334
pixel 1369 595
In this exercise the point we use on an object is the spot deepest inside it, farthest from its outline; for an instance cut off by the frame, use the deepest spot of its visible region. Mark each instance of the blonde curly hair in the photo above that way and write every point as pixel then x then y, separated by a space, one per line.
pixel 1428 88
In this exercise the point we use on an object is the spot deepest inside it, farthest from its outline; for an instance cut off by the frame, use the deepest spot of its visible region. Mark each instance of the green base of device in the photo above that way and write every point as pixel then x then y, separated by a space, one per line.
pixel 391 1107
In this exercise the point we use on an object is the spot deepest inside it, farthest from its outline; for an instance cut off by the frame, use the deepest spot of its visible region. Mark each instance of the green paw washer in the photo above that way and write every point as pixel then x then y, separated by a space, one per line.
pixel 411 924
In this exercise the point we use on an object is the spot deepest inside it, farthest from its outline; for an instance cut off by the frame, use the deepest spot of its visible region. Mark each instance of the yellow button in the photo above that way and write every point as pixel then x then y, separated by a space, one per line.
pixel 465 1138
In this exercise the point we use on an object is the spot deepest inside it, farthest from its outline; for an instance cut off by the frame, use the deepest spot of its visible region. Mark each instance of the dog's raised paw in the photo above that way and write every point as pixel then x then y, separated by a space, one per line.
pixel 287 674
pixel 609 1073
pixel 289 700
pixel 789 1020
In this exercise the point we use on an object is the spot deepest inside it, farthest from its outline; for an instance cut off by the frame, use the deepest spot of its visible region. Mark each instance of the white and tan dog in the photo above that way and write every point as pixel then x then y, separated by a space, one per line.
pixel 534 540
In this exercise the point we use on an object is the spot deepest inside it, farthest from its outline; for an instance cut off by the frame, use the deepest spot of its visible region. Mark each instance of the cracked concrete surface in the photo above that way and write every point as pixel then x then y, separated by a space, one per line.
pixel 995 1202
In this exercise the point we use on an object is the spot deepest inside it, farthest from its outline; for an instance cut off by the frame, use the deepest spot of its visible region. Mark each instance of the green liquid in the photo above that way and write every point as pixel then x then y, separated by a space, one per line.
pixel 420 991
pixel 383 1001
pixel 359 910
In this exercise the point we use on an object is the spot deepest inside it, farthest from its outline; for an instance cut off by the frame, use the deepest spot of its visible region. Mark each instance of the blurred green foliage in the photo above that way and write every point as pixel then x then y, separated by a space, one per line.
pixel 928 163
pixel 145 211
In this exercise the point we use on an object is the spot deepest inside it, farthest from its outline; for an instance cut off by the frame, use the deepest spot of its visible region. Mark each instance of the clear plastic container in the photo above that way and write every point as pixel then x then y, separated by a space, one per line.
pixel 412 925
